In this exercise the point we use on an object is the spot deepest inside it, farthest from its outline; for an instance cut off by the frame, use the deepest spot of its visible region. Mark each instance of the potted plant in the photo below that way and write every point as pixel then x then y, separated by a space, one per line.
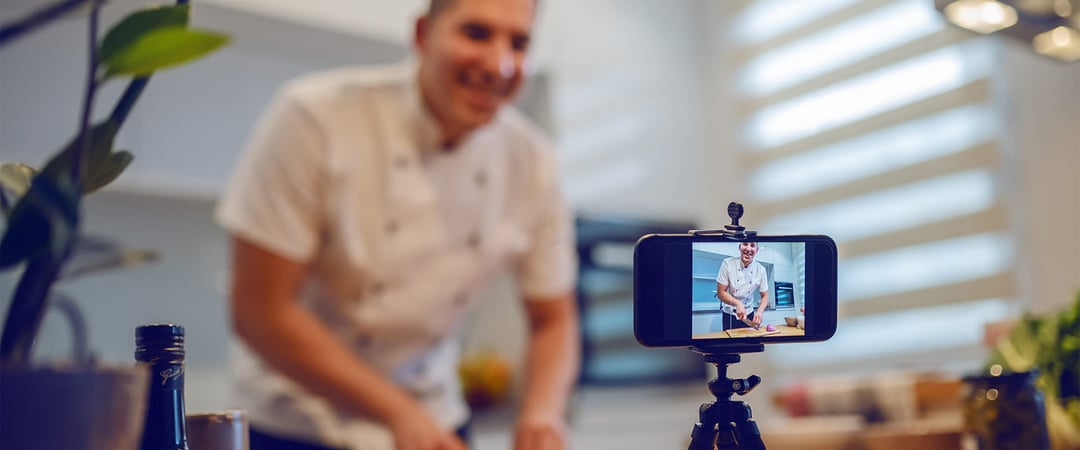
pixel 1048 346
pixel 82 405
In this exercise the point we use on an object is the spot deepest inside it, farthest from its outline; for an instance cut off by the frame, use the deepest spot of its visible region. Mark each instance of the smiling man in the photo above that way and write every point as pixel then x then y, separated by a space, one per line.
pixel 472 60
pixel 739 277
pixel 369 208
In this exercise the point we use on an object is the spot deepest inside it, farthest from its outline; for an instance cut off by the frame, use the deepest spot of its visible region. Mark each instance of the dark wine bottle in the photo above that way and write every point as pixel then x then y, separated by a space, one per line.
pixel 161 346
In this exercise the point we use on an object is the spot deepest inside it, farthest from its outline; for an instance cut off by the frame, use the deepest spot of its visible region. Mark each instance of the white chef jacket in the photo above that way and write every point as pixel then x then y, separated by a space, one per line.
pixel 345 173
pixel 742 282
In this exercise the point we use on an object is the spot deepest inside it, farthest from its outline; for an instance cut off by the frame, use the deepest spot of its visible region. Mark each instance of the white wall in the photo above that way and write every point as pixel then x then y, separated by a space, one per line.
pixel 191 122
pixel 628 77
pixel 1041 111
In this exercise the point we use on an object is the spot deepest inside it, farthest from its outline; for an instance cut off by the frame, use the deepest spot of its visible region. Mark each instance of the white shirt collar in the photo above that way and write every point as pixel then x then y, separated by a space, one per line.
pixel 425 128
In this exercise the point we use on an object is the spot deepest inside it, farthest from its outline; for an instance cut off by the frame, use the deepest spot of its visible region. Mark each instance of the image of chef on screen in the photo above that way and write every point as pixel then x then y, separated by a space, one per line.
pixel 738 278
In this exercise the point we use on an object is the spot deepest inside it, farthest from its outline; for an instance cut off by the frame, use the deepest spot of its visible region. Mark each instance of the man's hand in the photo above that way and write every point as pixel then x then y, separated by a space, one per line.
pixel 414 429
pixel 535 431
pixel 758 315
pixel 740 311
pixel 552 370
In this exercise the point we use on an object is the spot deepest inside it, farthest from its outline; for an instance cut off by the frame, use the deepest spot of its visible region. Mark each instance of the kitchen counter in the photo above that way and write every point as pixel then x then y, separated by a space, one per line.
pixel 784 330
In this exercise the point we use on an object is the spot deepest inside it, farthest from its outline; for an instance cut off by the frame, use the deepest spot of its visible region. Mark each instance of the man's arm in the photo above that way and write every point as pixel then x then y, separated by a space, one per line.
pixel 267 316
pixel 552 368
pixel 760 314
pixel 722 284
pixel 763 289
pixel 726 297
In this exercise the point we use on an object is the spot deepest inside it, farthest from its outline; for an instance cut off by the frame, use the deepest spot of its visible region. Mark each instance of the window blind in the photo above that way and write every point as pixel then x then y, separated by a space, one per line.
pixel 873 122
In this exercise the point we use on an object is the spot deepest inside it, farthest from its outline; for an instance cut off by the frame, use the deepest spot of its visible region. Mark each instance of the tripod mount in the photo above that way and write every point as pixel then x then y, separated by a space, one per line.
pixel 735 212
pixel 726 424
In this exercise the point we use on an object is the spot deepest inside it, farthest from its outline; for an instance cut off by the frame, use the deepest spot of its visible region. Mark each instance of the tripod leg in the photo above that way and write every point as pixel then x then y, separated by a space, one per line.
pixel 726 437
pixel 703 437
pixel 748 434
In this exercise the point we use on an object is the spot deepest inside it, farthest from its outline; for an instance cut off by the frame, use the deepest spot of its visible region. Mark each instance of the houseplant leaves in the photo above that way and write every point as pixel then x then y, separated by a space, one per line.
pixel 43 217
pixel 154 39
pixel 14 182
pixel 133 27
pixel 161 48
pixel 44 220
pixel 35 221
pixel 1050 344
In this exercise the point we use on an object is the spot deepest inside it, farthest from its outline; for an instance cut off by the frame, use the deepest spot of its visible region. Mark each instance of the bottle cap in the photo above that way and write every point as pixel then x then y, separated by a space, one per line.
pixel 155 340
pixel 159 332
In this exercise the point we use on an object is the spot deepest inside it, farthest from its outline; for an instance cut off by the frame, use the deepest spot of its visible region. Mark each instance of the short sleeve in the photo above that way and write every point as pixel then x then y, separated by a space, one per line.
pixel 549 267
pixel 272 198
pixel 763 280
pixel 722 275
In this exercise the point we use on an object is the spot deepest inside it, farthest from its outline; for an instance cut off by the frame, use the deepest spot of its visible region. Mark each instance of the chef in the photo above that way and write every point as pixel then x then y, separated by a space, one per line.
pixel 370 206
pixel 739 277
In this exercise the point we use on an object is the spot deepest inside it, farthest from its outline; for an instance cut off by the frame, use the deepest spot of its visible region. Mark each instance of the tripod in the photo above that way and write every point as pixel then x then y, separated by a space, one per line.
pixel 726 424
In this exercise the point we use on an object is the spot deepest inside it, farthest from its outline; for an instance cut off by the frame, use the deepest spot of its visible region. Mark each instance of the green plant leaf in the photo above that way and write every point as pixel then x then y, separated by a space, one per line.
pixel 107 171
pixel 15 180
pixel 128 31
pixel 101 142
pixel 16 177
pixel 161 48
pixel 44 220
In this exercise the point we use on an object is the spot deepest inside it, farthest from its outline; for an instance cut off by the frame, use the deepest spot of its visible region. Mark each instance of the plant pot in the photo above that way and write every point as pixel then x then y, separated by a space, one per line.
pixel 1006 412
pixel 97 408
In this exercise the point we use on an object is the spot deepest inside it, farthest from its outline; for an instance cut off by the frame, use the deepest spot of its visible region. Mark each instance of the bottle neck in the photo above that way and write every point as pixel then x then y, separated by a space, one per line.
pixel 165 428
pixel 161 347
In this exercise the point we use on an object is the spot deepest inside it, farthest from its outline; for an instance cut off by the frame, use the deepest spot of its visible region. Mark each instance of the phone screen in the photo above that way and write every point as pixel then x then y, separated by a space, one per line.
pixel 694 290
pixel 748 289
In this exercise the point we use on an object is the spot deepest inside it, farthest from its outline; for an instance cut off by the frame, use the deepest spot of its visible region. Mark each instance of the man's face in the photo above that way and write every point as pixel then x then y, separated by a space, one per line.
pixel 747 250
pixel 472 55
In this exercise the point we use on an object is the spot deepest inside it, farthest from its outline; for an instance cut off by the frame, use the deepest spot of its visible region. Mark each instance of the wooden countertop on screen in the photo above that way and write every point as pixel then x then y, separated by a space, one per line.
pixel 784 330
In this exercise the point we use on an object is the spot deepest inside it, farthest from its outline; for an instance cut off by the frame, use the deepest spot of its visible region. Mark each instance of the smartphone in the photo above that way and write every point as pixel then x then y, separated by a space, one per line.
pixel 688 288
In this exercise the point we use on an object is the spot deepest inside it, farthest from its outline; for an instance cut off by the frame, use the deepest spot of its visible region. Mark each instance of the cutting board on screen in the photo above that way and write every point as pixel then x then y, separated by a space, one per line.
pixel 749 332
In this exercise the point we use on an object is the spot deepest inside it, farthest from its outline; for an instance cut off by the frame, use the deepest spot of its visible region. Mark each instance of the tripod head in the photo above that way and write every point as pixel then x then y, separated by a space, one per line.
pixel 723 387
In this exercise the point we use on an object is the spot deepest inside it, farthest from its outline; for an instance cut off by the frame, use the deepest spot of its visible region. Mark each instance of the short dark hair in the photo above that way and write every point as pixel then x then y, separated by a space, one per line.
pixel 437 6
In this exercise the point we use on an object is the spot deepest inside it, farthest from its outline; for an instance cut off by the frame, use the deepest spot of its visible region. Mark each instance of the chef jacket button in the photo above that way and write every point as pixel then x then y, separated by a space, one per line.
pixel 473 240
pixel 480 178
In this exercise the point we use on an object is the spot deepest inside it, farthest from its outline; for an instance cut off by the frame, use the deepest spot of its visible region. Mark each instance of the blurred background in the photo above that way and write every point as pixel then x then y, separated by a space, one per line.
pixel 945 163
